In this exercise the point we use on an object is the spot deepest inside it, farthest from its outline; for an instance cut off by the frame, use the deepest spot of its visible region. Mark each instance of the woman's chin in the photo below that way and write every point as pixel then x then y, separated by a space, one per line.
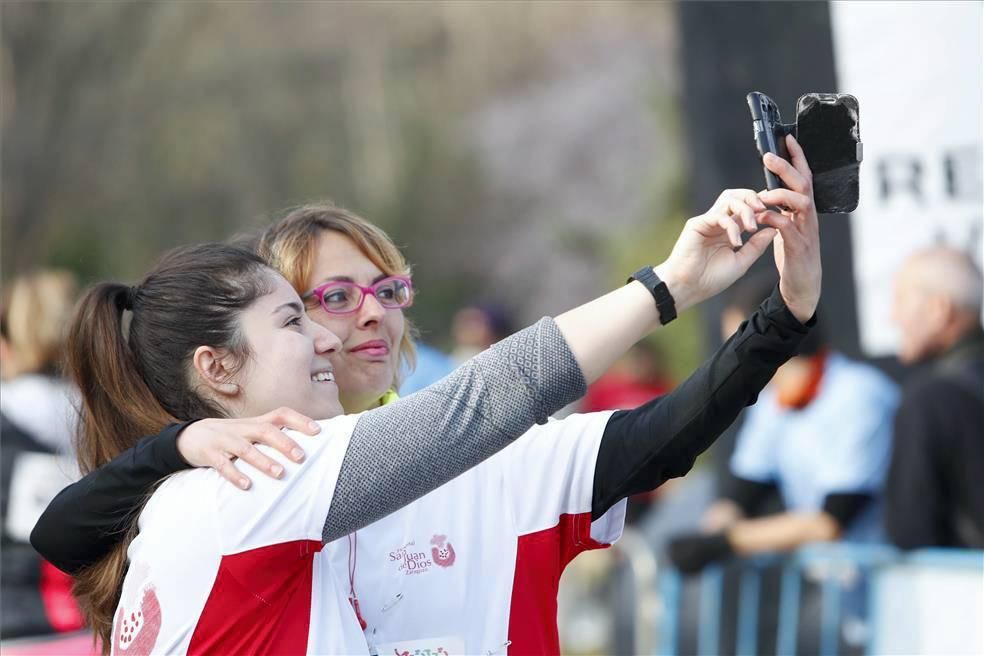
pixel 374 383
pixel 336 410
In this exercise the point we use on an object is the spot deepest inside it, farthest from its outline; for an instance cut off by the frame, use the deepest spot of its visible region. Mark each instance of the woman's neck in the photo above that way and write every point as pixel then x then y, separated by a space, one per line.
pixel 355 405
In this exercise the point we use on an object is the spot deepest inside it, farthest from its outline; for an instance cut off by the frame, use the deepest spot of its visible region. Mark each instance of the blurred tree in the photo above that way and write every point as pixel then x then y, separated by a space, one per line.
pixel 506 146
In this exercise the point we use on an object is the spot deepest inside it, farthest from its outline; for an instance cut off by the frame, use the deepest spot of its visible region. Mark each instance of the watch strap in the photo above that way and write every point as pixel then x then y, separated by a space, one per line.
pixel 665 304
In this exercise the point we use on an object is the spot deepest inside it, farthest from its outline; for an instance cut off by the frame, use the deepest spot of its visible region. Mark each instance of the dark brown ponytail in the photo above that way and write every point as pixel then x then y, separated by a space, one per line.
pixel 117 404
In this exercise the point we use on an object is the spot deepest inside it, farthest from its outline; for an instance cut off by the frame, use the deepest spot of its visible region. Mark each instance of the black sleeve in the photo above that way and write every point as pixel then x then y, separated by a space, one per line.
pixel 642 448
pixel 86 520
pixel 845 506
pixel 748 495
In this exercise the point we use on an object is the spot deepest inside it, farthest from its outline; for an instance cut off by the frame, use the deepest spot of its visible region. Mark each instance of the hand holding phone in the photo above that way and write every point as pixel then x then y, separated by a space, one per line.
pixel 827 128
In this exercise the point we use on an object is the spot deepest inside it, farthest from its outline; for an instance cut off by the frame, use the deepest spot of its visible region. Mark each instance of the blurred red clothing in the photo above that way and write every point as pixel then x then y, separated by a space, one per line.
pixel 617 391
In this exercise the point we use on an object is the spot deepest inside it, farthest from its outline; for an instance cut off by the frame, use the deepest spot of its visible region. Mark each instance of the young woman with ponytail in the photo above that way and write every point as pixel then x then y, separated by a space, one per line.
pixel 591 461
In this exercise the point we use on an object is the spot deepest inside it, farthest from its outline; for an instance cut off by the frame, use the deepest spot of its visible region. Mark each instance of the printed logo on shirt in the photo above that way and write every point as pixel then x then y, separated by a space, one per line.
pixel 442 551
pixel 138 615
pixel 444 646
pixel 136 629
pixel 409 560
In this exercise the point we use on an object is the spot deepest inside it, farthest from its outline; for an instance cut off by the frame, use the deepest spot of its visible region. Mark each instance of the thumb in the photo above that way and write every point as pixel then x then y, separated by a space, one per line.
pixel 754 247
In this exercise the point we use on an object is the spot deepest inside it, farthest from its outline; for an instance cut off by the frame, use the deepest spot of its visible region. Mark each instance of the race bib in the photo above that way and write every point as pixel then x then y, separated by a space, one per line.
pixel 446 646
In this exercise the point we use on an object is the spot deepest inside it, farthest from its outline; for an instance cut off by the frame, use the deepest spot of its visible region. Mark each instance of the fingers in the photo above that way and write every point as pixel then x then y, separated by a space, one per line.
pixel 229 472
pixel 215 442
pixel 798 158
pixel 754 247
pixel 743 213
pixel 270 435
pixel 790 176
pixel 780 222
pixel 287 418
pixel 792 238
pixel 727 222
pixel 795 201
pixel 734 211
pixel 246 452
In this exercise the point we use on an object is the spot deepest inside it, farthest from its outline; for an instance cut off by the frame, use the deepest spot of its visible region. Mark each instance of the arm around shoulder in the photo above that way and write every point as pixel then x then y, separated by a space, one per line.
pixel 83 522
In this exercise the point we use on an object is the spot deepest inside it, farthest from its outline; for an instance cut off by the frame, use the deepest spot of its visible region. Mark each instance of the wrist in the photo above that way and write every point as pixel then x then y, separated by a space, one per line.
pixel 802 309
pixel 802 315
pixel 680 289
pixel 181 445
pixel 174 453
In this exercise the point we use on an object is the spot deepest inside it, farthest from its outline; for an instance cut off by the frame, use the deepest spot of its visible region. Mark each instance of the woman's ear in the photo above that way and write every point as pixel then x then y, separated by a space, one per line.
pixel 214 368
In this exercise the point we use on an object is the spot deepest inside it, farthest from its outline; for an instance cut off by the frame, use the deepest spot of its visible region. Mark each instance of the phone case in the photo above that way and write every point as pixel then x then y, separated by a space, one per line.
pixel 828 125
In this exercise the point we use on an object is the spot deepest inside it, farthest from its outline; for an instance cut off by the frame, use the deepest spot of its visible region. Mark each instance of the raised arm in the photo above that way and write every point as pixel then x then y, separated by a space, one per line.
pixel 642 448
pixel 452 426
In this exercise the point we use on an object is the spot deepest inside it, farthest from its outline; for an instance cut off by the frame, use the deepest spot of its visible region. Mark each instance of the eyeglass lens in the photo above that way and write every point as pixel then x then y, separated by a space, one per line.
pixel 346 296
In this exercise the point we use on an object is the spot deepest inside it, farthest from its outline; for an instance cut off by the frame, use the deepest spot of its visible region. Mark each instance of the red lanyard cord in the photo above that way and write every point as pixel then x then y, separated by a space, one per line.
pixel 353 560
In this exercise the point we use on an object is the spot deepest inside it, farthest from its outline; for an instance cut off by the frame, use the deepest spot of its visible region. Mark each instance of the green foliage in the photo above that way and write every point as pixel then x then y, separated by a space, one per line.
pixel 681 341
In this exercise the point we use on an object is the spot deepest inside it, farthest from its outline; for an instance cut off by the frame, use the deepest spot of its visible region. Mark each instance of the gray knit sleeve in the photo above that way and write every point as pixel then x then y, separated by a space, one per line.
pixel 404 450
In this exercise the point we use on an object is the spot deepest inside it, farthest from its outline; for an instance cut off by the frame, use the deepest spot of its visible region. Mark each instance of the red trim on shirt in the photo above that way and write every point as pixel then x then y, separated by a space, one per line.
pixel 540 560
pixel 260 602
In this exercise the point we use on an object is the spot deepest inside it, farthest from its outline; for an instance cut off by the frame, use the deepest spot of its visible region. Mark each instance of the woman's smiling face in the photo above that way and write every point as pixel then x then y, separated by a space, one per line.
pixel 289 363
pixel 366 363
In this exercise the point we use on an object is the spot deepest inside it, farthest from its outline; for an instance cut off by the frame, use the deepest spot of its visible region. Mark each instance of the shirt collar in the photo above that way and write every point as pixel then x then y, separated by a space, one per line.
pixel 969 347
pixel 388 397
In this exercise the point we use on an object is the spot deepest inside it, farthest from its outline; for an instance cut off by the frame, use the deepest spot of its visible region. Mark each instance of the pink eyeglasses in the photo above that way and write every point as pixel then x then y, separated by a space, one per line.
pixel 344 297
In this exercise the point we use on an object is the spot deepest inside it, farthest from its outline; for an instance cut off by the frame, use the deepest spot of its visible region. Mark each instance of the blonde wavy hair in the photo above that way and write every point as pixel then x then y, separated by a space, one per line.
pixel 290 246
pixel 34 313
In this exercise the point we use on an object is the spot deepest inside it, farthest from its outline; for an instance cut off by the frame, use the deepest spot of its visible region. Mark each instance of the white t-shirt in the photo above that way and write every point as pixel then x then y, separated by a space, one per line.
pixel 219 571
pixel 44 406
pixel 474 566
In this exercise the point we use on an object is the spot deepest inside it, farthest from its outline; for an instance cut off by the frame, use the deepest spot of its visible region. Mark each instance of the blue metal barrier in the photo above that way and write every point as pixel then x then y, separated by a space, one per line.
pixel 843 572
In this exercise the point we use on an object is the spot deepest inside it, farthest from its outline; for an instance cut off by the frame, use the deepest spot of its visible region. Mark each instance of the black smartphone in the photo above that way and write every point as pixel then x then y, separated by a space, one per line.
pixel 829 130
pixel 770 133
pixel 827 127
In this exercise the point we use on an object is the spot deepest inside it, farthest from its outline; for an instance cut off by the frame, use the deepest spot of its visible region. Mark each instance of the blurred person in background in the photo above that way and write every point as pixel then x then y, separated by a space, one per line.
pixel 819 435
pixel 935 491
pixel 476 327
pixel 430 366
pixel 637 377
pixel 35 395
pixel 38 416
pixel 515 522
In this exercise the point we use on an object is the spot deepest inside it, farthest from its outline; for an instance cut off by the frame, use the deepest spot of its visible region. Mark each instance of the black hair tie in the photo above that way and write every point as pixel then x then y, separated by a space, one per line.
pixel 130 297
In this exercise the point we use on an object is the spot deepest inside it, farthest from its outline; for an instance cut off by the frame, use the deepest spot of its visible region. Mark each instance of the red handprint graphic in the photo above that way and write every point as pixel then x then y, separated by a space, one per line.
pixel 442 552
pixel 136 631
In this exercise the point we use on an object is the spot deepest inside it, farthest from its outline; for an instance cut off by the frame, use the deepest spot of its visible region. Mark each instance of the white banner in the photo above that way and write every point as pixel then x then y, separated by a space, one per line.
pixel 916 69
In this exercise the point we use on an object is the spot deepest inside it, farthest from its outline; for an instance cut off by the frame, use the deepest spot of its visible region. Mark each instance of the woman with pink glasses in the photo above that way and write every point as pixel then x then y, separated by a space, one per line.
pixel 474 566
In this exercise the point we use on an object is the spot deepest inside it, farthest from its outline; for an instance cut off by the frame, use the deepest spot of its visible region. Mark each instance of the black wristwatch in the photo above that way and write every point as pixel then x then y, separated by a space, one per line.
pixel 664 300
